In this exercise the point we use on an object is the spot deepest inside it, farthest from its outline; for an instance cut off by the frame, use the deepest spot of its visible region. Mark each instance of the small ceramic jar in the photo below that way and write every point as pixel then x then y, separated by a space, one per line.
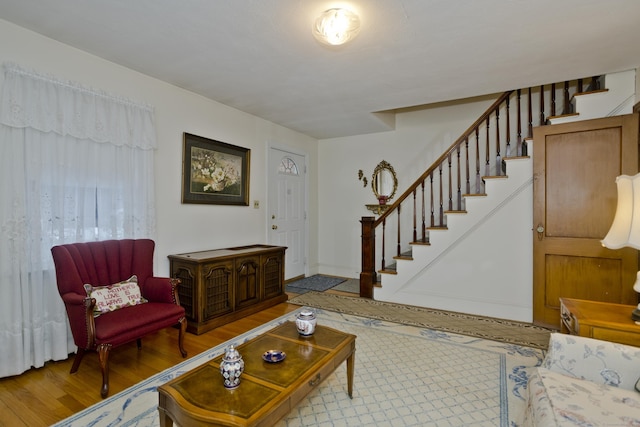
pixel 231 368
pixel 306 322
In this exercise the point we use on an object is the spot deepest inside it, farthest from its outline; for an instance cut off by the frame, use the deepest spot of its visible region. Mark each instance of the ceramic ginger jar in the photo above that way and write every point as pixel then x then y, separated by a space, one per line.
pixel 231 368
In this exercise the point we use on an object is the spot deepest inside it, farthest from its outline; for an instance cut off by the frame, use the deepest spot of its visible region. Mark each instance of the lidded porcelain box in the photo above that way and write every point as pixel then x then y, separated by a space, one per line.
pixel 306 322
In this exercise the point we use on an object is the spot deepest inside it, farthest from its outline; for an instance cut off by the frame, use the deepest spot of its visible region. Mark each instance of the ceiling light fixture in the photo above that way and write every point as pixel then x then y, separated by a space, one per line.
pixel 336 26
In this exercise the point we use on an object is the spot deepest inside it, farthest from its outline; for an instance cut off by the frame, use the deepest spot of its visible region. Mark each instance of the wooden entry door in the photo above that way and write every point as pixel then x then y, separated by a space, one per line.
pixel 574 197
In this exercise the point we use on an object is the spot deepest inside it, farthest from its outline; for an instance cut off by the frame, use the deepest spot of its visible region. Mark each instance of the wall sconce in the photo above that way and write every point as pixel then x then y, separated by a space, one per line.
pixel 336 26
pixel 625 230
pixel 362 178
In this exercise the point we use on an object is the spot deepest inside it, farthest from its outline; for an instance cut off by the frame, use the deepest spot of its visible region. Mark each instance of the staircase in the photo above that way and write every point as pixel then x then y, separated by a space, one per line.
pixel 460 238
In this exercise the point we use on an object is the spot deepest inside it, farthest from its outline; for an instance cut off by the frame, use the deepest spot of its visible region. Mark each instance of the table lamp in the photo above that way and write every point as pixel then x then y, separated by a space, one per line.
pixel 625 230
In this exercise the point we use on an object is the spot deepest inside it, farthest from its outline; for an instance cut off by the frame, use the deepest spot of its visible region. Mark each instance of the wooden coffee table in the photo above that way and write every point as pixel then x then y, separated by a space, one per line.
pixel 267 391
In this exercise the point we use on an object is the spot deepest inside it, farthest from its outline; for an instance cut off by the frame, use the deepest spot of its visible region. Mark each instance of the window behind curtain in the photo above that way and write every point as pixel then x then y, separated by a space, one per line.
pixel 76 165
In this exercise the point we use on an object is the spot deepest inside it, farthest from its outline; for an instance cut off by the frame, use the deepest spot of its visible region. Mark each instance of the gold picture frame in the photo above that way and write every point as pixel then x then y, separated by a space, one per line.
pixel 214 172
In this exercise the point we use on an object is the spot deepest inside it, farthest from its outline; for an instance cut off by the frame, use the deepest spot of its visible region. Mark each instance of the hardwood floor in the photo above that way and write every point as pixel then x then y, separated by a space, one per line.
pixel 43 396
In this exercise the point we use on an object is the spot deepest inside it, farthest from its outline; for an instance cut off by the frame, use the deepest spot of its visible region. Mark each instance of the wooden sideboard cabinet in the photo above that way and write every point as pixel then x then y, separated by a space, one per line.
pixel 222 285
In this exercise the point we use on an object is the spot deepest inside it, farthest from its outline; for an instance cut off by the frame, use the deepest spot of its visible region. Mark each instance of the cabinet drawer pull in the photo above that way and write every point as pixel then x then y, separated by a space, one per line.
pixel 314 382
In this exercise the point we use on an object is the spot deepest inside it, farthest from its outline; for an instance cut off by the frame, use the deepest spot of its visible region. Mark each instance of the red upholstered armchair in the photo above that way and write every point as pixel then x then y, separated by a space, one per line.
pixel 106 263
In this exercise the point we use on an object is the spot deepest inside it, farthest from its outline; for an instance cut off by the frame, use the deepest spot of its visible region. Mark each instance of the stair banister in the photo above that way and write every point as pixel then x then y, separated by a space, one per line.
pixel 368 275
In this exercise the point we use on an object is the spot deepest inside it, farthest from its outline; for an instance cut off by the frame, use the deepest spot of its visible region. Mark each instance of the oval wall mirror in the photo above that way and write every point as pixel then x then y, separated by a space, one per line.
pixel 384 182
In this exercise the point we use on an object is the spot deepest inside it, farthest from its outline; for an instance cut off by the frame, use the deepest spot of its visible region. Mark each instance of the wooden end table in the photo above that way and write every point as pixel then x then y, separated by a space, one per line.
pixel 267 391
pixel 601 320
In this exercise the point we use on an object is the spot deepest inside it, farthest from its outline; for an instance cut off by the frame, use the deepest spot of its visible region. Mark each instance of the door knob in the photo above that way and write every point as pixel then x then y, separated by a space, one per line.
pixel 274 227
pixel 540 230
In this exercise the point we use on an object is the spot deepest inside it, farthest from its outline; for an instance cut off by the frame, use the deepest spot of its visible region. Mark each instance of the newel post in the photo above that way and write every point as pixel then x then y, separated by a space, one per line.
pixel 368 250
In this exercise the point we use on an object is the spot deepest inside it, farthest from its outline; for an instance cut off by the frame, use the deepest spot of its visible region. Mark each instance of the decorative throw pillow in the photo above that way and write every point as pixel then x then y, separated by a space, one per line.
pixel 113 297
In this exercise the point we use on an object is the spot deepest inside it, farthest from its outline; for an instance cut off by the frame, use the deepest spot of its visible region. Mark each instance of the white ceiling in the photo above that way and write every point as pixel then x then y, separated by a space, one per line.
pixel 259 55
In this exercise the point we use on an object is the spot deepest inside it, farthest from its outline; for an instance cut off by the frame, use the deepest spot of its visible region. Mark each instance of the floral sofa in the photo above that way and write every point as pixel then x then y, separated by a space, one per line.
pixel 584 382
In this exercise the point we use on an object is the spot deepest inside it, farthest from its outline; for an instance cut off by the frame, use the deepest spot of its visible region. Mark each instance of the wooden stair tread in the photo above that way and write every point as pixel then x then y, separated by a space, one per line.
pixel 590 92
pixel 562 115
pixel 421 242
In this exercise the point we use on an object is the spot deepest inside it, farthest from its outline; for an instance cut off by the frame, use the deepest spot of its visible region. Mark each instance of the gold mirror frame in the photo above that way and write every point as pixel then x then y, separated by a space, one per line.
pixel 380 180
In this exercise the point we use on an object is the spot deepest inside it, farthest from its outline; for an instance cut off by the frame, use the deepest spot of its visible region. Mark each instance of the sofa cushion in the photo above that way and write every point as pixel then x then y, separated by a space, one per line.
pixel 116 296
pixel 557 399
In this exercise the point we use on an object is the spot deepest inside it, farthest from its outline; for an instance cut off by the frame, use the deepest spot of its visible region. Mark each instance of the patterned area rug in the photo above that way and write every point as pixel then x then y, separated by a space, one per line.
pixel 476 326
pixel 316 282
pixel 404 376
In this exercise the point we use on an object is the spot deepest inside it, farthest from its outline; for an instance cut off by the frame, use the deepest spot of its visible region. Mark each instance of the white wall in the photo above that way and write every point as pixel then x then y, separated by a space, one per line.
pixel 495 240
pixel 420 137
pixel 180 227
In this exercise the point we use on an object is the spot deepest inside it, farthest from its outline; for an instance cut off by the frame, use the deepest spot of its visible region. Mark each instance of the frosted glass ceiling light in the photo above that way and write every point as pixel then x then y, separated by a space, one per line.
pixel 336 26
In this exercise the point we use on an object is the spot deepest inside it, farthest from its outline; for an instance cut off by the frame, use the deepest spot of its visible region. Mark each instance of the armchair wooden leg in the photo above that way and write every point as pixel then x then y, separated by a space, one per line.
pixel 77 360
pixel 103 357
pixel 183 331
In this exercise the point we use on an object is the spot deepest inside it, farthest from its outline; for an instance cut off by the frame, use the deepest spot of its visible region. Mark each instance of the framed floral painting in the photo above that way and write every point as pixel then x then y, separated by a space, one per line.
pixel 214 172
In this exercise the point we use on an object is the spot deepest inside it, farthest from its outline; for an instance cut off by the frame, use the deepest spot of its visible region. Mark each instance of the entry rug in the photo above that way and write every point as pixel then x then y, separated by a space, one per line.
pixel 404 376
pixel 317 282
pixel 349 285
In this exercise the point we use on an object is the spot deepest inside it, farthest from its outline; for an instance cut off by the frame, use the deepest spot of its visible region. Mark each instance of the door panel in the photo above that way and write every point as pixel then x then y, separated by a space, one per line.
pixel 600 278
pixel 575 197
pixel 286 209
pixel 574 191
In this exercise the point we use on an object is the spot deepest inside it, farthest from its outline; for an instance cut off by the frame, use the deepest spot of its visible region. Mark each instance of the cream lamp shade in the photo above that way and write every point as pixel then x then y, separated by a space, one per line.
pixel 336 26
pixel 625 230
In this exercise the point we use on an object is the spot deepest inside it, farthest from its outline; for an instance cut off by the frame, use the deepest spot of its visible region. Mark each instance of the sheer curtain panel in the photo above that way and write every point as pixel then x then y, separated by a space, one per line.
pixel 75 165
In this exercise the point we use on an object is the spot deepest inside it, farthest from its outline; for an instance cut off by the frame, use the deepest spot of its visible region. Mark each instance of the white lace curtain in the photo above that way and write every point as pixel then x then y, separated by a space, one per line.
pixel 75 165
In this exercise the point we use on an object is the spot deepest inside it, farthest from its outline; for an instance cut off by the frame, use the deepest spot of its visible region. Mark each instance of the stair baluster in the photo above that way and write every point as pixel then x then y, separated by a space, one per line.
pixel 424 214
pixel 477 160
pixel 541 107
pixel 530 134
pixel 498 157
pixel 508 130
pixel 487 165
pixel 459 193
pixel 415 216
pixel 553 99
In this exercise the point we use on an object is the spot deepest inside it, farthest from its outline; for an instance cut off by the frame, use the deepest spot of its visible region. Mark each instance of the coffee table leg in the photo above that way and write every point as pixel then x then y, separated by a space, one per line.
pixel 350 368
pixel 165 419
